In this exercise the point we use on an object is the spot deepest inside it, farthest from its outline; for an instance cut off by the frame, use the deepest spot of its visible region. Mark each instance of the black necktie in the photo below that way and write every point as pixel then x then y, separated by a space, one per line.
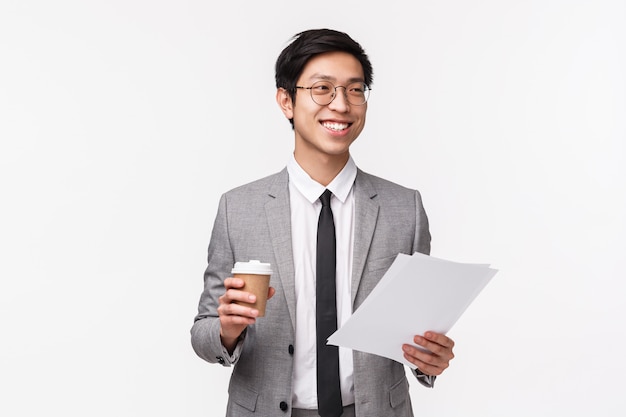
pixel 328 388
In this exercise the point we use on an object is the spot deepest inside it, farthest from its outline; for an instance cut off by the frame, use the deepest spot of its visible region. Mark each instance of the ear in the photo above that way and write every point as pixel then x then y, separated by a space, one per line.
pixel 284 102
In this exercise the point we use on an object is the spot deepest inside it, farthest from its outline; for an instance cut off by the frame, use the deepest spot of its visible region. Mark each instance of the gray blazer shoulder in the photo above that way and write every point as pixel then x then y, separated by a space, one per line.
pixel 395 202
pixel 262 186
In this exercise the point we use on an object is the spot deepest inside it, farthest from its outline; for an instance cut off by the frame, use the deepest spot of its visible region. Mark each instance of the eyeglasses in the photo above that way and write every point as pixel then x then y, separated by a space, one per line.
pixel 324 92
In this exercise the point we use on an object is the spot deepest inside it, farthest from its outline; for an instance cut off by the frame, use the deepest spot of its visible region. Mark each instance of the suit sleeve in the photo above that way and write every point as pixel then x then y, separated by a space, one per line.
pixel 205 332
pixel 422 245
pixel 421 241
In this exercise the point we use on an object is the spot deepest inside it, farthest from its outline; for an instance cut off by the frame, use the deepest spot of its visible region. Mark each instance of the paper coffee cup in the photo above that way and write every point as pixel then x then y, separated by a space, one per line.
pixel 256 278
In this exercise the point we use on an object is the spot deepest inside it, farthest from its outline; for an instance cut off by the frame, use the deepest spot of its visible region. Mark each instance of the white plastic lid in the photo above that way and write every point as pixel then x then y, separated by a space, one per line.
pixel 252 267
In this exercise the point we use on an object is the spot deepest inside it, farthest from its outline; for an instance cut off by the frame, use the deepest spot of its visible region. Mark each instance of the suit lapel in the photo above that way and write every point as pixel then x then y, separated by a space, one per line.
pixel 278 215
pixel 366 214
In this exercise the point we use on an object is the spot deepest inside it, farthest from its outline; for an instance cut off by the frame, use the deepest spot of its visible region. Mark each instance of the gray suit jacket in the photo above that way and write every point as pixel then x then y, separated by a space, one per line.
pixel 254 222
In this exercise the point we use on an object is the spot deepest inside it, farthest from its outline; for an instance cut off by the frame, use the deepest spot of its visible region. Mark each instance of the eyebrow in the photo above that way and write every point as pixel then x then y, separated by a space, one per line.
pixel 324 77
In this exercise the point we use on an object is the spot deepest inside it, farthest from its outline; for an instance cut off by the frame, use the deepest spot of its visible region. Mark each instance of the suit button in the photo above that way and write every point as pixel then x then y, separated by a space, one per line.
pixel 220 360
pixel 283 406
pixel 291 349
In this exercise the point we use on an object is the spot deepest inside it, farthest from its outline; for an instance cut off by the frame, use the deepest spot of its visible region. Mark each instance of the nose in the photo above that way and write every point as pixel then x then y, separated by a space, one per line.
pixel 340 100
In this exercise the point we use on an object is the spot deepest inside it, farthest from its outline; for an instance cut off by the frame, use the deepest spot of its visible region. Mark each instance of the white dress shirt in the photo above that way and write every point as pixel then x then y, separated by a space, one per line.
pixel 304 195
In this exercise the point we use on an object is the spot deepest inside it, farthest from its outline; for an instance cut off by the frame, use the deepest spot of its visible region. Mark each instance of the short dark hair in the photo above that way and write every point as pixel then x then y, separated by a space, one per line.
pixel 305 45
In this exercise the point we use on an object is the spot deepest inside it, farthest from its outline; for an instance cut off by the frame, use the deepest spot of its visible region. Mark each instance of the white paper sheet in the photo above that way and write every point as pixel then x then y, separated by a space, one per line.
pixel 417 294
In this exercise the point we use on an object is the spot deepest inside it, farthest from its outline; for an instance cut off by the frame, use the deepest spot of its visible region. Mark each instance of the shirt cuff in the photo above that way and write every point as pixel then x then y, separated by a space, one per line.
pixel 232 359
pixel 426 380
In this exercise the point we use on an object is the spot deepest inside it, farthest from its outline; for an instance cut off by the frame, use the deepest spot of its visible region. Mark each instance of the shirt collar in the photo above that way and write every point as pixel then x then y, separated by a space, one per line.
pixel 340 186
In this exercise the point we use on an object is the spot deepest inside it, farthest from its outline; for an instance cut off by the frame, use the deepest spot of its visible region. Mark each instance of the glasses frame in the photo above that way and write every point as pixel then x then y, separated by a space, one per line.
pixel 366 94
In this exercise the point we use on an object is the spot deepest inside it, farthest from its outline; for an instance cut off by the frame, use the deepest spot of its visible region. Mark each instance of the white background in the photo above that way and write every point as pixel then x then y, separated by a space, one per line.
pixel 122 122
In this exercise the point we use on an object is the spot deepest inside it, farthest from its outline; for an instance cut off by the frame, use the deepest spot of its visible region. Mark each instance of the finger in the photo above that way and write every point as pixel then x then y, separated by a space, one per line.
pixel 237 295
pixel 239 322
pixel 237 310
pixel 425 357
pixel 440 339
pixel 424 367
pixel 435 347
pixel 440 360
pixel 431 347
pixel 270 292
pixel 231 282
pixel 427 362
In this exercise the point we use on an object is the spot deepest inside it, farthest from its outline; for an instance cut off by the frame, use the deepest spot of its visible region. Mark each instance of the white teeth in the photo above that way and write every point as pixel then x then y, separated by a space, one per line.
pixel 335 126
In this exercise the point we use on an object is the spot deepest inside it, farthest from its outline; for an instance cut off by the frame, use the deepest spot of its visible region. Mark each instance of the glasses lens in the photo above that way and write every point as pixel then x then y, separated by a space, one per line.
pixel 357 93
pixel 322 92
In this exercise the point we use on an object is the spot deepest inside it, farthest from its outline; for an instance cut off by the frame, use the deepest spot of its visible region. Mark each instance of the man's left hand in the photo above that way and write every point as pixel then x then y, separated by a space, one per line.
pixel 439 354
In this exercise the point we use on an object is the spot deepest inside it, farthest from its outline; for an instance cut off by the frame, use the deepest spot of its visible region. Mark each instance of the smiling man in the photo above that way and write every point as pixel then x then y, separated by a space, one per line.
pixel 330 232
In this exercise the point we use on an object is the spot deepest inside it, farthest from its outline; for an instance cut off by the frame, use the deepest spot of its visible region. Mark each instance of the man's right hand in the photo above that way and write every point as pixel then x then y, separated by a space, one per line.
pixel 234 318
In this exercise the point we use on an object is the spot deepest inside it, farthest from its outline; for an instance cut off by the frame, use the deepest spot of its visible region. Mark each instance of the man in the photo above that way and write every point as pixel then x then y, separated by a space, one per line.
pixel 323 79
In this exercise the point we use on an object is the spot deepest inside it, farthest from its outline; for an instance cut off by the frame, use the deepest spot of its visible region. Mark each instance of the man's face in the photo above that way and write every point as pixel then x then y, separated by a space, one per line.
pixel 327 132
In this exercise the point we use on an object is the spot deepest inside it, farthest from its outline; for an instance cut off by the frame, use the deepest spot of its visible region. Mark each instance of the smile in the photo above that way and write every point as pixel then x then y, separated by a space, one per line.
pixel 335 126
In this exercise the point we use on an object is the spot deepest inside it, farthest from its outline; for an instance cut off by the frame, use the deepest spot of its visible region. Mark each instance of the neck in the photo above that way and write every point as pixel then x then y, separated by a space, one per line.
pixel 323 168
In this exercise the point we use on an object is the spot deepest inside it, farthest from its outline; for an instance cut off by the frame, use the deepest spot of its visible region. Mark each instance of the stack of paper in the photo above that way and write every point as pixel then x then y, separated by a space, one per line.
pixel 417 294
